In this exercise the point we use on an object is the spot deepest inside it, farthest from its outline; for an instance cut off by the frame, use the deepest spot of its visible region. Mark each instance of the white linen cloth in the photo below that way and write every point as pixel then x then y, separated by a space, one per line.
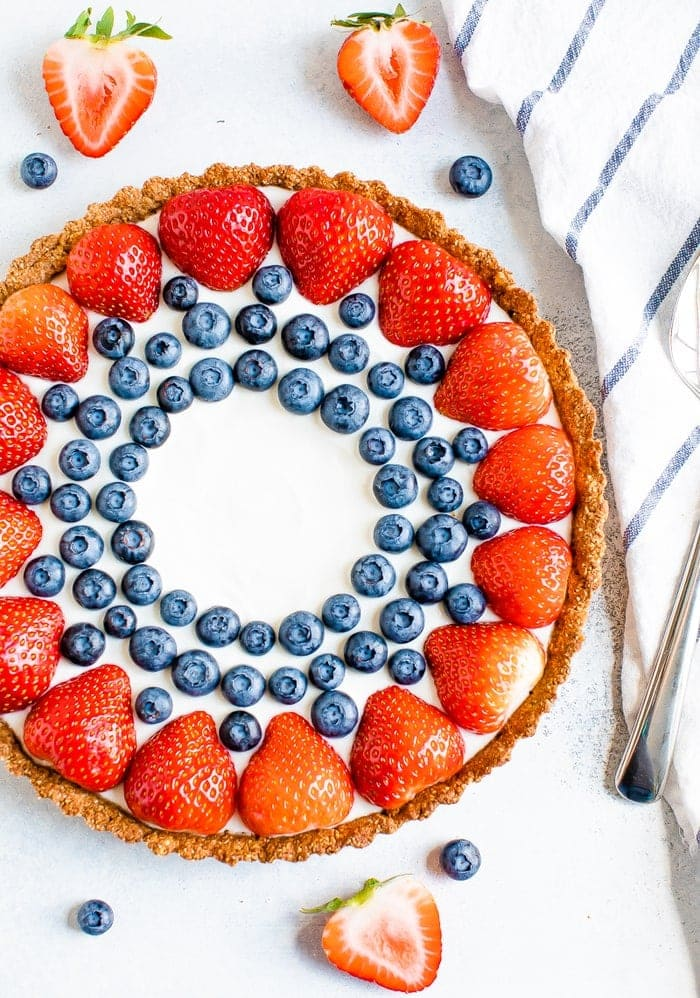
pixel 606 95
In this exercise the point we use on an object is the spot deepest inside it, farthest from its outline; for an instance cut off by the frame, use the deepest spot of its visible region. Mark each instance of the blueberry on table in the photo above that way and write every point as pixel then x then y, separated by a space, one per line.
pixel 341 612
pixel 256 324
pixel 365 651
pixel 175 394
pixel 31 484
pixel 445 495
pixel 470 445
pixel 410 418
pixel 153 705
pixel 425 365
pixel 255 370
pixel 334 714
pixel 240 731
pixel 401 620
pixel 305 337
pixel 206 325
pixel 98 417
pixel 243 685
pixel 301 633
pixel 373 575
pixel 465 603
pixel 129 462
pixel 470 176
pixel 356 310
pixel 460 859
pixel 150 426
pixel 377 445
pixel 79 460
pixel 94 589
pixel 407 666
pixel 257 637
pixel 119 621
pixel 181 292
pixel 345 409
pixel 132 542
pixel 116 502
pixel 426 582
pixel 327 671
pixel 113 338
pixel 300 391
pixel 82 644
pixel 60 402
pixel 211 380
pixel 393 533
pixel 272 284
pixel 287 684
pixel 178 608
pixel 433 457
pixel 95 917
pixel 218 626
pixel 349 353
pixel 129 378
pixel 142 585
pixel 38 170
pixel 196 673
pixel 163 350
pixel 152 648
pixel 395 486
pixel 44 576
pixel 385 380
pixel 481 520
pixel 81 547
pixel 70 503
pixel 441 538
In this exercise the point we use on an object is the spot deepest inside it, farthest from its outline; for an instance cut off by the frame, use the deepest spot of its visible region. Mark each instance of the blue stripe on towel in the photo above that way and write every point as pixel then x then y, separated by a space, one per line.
pixel 469 27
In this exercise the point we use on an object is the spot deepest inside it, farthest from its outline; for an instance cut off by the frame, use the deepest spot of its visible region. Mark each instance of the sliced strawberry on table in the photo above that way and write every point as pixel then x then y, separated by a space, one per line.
pixel 388 933
pixel 428 296
pixel 524 574
pixel 22 424
pixel 294 781
pixel 84 727
pixel 402 746
pixel 44 332
pixel 30 632
pixel 332 241
pixel 98 85
pixel 20 533
pixel 388 65
pixel 115 269
pixel 482 670
pixel 494 379
pixel 183 778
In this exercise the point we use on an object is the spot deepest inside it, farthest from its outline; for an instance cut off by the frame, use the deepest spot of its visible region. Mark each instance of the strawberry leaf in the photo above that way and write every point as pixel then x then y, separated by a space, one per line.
pixel 148 31
pixel 82 23
pixel 103 28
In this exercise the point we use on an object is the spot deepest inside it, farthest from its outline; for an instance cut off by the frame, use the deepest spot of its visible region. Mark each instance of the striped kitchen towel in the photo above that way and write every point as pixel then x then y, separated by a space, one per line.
pixel 606 96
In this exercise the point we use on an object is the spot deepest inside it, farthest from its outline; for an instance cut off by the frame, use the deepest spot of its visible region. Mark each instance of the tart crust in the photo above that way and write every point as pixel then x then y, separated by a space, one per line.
pixel 47 258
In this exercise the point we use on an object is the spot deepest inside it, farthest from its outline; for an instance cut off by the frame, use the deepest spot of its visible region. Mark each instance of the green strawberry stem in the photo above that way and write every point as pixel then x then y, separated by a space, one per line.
pixel 104 27
pixel 367 891
pixel 371 19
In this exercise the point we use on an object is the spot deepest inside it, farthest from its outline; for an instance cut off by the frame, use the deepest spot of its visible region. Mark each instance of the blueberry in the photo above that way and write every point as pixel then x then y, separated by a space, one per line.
pixel 116 502
pixel 345 409
pixel 163 350
pixel 94 589
pixel 465 603
pixel 326 671
pixel 81 547
pixel 441 538
pixel 153 705
pixel 470 445
pixel 129 462
pixel 349 353
pixel 401 620
pixel 356 311
pixel 385 380
pixel 243 685
pixel 38 170
pixel 365 651
pixel 60 402
pixel 218 626
pixel 129 378
pixel 31 484
pixel 149 426
pixel 211 379
pixel 393 533
pixel 181 292
pixel 45 575
pixel 98 417
pixel 300 391
pixel 426 582
pixel 334 714
pixel 445 495
pixel 377 445
pixel 178 608
pixel 395 486
pixel 305 337
pixel 175 394
pixel 301 633
pixel 196 673
pixel 82 644
pixel 113 338
pixel 257 637
pixel 79 460
pixel 255 370
pixel 152 648
pixel 287 684
pixel 410 418
pixel 373 575
pixel 482 520
pixel 142 585
pixel 341 612
pixel 132 542
pixel 272 284
pixel 256 324
pixel 425 365
pixel 206 325
pixel 470 176
pixel 95 917
pixel 407 666
pixel 240 731
pixel 433 457
pixel 460 859
pixel 119 621
pixel 70 503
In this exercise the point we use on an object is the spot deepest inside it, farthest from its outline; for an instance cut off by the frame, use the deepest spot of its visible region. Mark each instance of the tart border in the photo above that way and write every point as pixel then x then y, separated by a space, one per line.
pixel 47 257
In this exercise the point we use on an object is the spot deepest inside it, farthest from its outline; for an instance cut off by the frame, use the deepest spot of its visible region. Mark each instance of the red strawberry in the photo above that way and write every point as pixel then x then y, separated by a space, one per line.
pixel 84 727
pixel 388 66
pixel 523 574
pixel 44 332
pixel 22 425
pixel 30 632
pixel 494 379
pixel 98 86
pixel 389 933
pixel 427 296
pixel 482 671
pixel 219 236
pixel 529 474
pixel 331 241
pixel 294 781
pixel 115 269
pixel 402 746
pixel 182 778
pixel 20 532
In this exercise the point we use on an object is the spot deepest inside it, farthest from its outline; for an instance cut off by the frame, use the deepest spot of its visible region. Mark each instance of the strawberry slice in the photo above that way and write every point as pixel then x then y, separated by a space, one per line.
pixel 44 332
pixel 402 745
pixel 331 241
pixel 22 424
pixel 389 933
pixel 294 781
pixel 115 269
pixel 427 296
pixel 524 574
pixel 494 379
pixel 97 85
pixel 482 671
pixel 30 632
pixel 388 65
pixel 84 727
pixel 529 474
pixel 182 778
pixel 20 533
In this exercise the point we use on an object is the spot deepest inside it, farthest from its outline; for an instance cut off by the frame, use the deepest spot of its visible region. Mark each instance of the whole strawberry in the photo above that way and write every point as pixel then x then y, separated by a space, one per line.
pixel 294 781
pixel 332 241
pixel 20 533
pixel 84 727
pixel 22 424
pixel 219 236
pixel 182 778
pixel 44 332
pixel 428 296
pixel 30 632
pixel 115 269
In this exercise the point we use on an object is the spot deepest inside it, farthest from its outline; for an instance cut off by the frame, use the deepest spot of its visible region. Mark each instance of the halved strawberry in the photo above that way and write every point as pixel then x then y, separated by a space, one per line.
pixel 389 933
pixel 481 671
pixel 388 65
pixel 494 379
pixel 44 332
pixel 294 781
pixel 115 269
pixel 20 532
pixel 22 424
pixel 218 235
pixel 30 632
pixel 402 745
pixel 98 86
pixel 84 727
pixel 428 296
pixel 183 778
pixel 331 241
pixel 524 574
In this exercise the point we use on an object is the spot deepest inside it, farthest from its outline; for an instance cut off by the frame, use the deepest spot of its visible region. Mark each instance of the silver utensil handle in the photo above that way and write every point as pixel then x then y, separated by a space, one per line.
pixel 646 761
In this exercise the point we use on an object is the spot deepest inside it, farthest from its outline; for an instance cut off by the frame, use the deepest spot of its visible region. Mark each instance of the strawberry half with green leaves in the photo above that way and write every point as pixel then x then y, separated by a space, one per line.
pixel 402 746
pixel 331 241
pixel 22 424
pixel 388 65
pixel 84 727
pixel 44 333
pixel 294 781
pixel 428 296
pixel 98 85
pixel 218 235
pixel 388 933
pixel 30 633
pixel 482 670
pixel 183 778
pixel 20 533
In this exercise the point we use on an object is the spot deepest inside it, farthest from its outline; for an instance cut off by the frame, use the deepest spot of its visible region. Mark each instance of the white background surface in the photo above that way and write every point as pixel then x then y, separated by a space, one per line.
pixel 579 894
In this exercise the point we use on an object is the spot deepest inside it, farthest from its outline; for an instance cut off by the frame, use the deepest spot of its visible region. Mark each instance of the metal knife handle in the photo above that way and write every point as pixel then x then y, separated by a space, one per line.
pixel 646 761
